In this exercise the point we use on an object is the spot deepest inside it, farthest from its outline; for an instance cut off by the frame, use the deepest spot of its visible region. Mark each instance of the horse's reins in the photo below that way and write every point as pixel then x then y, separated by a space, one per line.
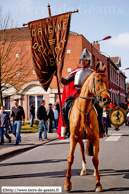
pixel 96 98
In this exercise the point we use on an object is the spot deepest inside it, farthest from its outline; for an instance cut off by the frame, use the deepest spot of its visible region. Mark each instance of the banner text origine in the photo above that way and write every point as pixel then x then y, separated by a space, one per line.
pixel 48 42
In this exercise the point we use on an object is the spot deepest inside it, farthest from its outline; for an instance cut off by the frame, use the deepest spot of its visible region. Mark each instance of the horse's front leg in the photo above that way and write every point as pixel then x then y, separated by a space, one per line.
pixel 73 142
pixel 81 147
pixel 96 164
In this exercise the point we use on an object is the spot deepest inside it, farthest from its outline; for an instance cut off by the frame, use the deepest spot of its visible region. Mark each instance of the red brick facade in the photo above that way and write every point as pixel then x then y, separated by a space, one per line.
pixel 31 89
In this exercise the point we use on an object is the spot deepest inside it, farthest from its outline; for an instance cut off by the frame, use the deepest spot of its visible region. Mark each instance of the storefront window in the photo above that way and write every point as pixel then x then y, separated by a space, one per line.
pixel 36 99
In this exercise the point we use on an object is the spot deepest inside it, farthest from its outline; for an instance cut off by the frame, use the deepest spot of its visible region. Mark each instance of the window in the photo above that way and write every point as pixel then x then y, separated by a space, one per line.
pixel 17 55
pixel 34 72
pixel 6 103
pixel 69 70
pixel 36 99
pixel 68 51
pixel 17 73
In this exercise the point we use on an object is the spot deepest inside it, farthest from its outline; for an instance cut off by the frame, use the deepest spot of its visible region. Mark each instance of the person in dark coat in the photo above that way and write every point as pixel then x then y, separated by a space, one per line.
pixel 18 115
pixel 50 115
pixel 32 114
pixel 5 123
pixel 42 116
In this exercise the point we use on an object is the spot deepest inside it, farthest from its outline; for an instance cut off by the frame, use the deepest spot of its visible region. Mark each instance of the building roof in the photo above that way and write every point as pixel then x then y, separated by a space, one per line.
pixel 20 34
pixel 117 61
pixel 15 34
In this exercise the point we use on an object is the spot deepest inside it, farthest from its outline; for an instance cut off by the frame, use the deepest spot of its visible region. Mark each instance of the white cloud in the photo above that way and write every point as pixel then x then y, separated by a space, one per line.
pixel 120 40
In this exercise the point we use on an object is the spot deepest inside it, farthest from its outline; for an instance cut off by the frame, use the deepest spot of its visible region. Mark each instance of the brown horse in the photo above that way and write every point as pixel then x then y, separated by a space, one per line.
pixel 84 122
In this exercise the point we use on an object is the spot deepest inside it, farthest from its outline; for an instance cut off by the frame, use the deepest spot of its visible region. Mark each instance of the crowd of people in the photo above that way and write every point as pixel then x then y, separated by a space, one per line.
pixel 48 120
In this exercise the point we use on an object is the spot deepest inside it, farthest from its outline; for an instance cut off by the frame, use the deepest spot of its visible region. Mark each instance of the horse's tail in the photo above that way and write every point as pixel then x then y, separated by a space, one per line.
pixel 89 148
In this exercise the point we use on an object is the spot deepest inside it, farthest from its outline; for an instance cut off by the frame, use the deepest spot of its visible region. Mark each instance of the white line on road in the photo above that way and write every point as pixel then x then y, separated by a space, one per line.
pixel 114 137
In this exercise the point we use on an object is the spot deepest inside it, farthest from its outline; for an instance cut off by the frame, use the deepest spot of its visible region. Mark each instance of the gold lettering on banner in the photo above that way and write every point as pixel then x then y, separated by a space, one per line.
pixel 39 49
pixel 63 40
pixel 50 29
pixel 54 27
pixel 56 49
pixel 58 60
pixel 51 41
pixel 59 27
pixel 64 27
pixel 46 62
pixel 39 31
pixel 35 46
pixel 49 51
pixel 44 52
pixel 52 62
pixel 58 46
pixel 33 32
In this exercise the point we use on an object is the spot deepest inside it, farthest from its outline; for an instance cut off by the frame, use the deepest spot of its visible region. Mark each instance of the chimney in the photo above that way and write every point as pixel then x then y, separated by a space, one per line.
pixel 96 45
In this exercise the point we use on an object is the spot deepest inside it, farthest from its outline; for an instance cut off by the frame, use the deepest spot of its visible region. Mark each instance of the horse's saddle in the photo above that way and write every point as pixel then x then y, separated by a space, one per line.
pixel 66 109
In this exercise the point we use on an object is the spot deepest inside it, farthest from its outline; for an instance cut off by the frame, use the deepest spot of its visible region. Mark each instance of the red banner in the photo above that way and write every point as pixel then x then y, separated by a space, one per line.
pixel 49 38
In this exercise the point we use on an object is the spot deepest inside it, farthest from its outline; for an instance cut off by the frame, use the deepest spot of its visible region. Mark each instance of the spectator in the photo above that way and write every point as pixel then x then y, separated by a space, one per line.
pixel 127 121
pixel 58 107
pixel 50 115
pixel 105 120
pixel 18 115
pixel 111 105
pixel 32 114
pixel 5 122
pixel 56 115
pixel 42 116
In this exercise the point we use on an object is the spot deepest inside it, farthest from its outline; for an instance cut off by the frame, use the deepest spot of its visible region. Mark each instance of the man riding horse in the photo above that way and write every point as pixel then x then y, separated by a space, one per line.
pixel 73 83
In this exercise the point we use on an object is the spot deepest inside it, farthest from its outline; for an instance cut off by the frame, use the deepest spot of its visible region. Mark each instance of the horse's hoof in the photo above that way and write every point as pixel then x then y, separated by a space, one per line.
pixel 83 172
pixel 99 189
pixel 68 188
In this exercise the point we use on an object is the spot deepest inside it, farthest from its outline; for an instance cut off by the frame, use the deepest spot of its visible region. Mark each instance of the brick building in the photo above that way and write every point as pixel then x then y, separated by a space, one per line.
pixel 31 89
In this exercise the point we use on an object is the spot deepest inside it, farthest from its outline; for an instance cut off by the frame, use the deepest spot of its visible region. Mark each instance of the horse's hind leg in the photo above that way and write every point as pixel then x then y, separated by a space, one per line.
pixel 81 147
pixel 73 143
pixel 96 164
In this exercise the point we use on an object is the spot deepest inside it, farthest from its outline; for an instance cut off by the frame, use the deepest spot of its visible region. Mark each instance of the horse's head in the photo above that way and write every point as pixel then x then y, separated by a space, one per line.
pixel 100 86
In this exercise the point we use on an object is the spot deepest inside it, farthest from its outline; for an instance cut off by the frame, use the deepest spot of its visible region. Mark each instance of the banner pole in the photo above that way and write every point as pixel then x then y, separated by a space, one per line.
pixel 59 95
pixel 49 12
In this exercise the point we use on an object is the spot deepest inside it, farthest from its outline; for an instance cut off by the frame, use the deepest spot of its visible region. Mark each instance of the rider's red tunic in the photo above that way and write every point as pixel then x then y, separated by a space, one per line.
pixel 67 91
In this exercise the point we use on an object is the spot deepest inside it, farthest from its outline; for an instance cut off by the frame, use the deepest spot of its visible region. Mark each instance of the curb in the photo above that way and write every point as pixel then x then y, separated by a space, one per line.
pixel 21 150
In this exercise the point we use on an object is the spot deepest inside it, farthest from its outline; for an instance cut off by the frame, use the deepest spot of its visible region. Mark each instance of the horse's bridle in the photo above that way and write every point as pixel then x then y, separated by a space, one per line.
pixel 96 98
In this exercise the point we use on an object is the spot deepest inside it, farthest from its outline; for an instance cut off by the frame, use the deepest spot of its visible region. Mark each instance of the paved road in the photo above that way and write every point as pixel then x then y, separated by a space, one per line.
pixel 28 141
pixel 46 165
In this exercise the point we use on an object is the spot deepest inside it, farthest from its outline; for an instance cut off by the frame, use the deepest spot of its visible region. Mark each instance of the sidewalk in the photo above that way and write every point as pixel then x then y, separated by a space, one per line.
pixel 28 141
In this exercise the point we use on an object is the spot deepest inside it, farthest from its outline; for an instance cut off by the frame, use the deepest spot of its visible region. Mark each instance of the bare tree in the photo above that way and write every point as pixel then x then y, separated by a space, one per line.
pixel 15 56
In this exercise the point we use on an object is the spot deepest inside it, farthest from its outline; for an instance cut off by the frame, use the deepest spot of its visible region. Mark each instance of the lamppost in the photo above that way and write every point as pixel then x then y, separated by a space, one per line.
pixel 105 38
pixel 96 45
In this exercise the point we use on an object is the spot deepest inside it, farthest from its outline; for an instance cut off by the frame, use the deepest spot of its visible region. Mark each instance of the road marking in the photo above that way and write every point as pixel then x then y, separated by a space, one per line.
pixel 114 137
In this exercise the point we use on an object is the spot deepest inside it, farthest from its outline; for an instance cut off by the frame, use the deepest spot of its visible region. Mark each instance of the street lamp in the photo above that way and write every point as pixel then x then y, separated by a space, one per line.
pixel 105 38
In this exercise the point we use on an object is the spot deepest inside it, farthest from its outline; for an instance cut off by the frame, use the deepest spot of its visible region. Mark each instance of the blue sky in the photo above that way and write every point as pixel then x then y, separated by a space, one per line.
pixel 95 20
